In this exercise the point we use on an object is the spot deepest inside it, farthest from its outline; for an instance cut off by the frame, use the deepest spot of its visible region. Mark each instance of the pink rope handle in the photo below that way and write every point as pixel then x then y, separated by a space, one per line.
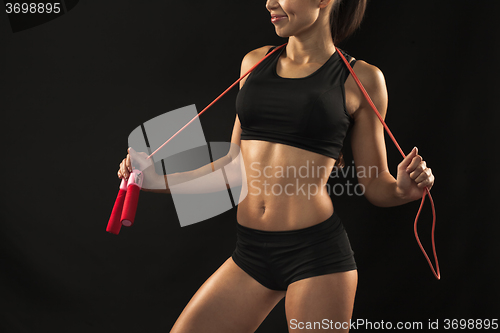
pixel 426 190
pixel 215 100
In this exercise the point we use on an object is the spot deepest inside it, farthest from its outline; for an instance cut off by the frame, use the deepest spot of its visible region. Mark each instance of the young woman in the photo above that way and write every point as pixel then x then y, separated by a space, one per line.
pixel 294 111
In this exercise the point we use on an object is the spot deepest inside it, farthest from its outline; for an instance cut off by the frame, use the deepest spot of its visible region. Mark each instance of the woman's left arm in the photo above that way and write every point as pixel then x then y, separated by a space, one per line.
pixel 369 151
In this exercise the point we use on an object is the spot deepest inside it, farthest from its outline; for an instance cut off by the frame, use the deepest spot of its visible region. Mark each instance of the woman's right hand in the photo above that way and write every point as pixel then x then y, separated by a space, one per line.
pixel 136 160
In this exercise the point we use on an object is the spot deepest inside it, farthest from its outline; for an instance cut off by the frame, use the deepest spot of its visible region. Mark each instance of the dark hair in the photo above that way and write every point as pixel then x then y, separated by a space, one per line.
pixel 345 18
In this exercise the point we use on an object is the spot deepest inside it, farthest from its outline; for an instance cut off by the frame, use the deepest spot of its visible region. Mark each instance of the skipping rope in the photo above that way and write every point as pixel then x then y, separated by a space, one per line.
pixel 125 207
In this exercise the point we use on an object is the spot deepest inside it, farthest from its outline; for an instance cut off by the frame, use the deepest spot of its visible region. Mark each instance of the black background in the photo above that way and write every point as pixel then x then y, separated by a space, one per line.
pixel 73 89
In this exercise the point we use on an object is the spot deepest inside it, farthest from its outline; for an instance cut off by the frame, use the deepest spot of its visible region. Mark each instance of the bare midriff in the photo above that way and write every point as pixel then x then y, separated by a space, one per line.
pixel 286 187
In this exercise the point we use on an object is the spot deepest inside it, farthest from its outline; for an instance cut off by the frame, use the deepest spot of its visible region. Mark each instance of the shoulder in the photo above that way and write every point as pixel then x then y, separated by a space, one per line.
pixel 373 80
pixel 369 75
pixel 251 58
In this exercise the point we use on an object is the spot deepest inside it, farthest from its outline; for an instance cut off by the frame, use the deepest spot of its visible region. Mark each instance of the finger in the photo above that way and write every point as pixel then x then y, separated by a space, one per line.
pixel 415 163
pixel 124 169
pixel 119 174
pixel 429 182
pixel 129 164
pixel 426 183
pixel 422 176
pixel 418 170
pixel 407 160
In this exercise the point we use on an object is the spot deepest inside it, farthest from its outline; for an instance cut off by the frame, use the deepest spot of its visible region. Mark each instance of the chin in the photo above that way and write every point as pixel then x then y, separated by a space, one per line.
pixel 282 34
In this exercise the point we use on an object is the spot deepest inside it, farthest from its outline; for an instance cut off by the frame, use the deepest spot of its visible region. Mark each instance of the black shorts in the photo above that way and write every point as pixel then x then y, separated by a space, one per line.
pixel 277 258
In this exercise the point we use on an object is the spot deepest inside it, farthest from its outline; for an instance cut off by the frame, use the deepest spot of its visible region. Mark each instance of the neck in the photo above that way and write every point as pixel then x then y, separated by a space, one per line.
pixel 313 45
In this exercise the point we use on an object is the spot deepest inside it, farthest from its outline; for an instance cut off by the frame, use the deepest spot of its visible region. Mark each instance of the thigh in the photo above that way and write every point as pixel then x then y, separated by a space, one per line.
pixel 229 301
pixel 315 304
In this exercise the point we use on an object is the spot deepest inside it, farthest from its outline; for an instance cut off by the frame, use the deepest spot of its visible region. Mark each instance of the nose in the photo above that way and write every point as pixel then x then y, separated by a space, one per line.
pixel 271 4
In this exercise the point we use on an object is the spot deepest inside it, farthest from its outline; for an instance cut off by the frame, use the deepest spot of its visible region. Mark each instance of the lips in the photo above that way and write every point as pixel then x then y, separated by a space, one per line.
pixel 276 18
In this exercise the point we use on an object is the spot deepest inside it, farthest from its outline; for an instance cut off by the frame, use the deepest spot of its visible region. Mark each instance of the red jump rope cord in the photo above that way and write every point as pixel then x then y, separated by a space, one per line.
pixel 215 100
pixel 426 190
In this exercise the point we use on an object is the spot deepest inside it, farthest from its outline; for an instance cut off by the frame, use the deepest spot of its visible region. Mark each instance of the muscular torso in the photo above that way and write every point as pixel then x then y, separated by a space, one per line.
pixel 286 185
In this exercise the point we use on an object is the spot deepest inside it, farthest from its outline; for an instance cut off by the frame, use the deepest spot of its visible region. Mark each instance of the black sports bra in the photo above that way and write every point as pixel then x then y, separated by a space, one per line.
pixel 307 113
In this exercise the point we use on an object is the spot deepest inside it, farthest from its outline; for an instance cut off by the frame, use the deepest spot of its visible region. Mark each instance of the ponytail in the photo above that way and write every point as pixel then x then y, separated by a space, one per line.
pixel 345 18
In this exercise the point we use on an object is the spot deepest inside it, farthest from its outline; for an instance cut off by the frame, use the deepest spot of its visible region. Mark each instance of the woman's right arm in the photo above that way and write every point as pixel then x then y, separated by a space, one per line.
pixel 161 184
pixel 153 182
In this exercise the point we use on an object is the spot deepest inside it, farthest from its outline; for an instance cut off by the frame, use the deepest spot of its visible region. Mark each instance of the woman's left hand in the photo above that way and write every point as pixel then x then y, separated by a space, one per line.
pixel 413 176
